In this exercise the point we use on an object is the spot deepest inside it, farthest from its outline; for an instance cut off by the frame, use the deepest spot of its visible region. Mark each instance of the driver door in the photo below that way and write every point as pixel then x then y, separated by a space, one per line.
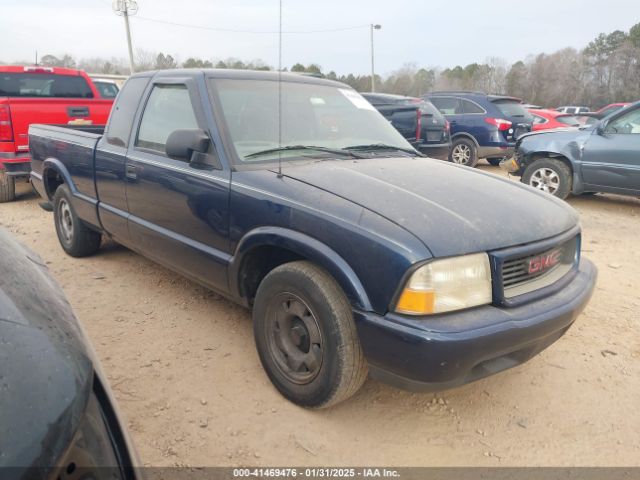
pixel 611 157
pixel 179 213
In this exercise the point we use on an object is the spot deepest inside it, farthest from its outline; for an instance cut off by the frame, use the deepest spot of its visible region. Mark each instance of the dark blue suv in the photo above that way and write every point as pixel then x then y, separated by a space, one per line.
pixel 482 126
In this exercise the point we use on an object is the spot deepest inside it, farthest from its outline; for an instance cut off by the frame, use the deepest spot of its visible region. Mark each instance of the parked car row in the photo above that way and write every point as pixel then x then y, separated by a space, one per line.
pixel 457 125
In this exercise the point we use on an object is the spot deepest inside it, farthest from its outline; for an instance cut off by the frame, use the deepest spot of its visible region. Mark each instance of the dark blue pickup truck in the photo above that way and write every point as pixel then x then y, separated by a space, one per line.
pixel 293 196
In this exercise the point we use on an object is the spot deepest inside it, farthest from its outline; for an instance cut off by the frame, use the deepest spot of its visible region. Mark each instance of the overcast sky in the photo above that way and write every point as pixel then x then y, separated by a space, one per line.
pixel 428 32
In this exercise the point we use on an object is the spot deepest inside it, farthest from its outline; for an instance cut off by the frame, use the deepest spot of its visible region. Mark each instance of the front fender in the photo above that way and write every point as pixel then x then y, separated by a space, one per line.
pixel 304 246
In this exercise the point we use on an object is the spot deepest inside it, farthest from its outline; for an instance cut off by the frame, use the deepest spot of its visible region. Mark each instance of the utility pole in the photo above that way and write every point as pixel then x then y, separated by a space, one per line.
pixel 373 74
pixel 126 8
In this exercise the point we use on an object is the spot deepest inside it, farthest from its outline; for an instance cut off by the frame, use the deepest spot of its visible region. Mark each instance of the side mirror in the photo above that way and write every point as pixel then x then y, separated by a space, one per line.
pixel 602 126
pixel 182 143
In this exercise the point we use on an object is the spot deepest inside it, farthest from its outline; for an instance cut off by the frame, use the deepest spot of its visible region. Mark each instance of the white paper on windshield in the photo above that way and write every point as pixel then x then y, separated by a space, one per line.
pixel 357 99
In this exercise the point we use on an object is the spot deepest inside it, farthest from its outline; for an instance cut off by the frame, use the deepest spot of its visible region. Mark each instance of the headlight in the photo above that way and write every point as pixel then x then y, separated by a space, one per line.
pixel 448 284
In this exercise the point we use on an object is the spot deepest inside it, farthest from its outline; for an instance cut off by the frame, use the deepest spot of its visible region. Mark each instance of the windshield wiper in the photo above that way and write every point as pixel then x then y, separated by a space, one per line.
pixel 333 151
pixel 382 147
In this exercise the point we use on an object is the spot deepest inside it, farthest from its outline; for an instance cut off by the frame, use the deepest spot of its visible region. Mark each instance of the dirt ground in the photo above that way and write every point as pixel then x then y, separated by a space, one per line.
pixel 183 367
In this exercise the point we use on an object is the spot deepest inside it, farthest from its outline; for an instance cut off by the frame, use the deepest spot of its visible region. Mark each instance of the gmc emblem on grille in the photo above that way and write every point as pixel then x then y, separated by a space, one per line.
pixel 544 262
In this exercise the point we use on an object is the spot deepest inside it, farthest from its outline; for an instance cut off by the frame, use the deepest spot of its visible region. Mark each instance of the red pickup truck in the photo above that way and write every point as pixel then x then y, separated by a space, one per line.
pixel 55 96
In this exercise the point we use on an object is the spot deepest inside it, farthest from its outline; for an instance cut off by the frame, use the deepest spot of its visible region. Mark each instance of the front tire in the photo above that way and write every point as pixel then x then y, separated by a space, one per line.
pixel 549 175
pixel 75 237
pixel 7 187
pixel 464 152
pixel 306 337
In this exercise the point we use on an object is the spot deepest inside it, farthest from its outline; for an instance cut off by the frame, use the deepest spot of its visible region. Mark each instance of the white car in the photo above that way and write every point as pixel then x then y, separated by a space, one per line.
pixel 574 110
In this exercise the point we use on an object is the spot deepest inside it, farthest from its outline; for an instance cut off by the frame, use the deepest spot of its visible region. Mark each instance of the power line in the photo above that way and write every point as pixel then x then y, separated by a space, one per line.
pixel 257 32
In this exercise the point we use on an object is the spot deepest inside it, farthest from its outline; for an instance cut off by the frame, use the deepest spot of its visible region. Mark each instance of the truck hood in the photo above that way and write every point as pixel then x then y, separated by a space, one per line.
pixel 453 210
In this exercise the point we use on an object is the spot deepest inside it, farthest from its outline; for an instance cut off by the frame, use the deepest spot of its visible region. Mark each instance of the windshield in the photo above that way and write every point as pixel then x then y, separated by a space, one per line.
pixel 312 115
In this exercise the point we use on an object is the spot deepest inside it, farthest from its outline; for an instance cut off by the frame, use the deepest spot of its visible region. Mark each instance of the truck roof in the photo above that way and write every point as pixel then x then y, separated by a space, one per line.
pixel 243 75
pixel 39 69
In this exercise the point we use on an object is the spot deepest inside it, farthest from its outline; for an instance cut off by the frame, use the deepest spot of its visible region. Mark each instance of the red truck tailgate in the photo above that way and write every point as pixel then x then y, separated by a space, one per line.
pixel 53 111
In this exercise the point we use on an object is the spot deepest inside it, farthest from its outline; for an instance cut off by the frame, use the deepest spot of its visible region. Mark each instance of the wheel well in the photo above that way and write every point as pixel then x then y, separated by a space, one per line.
pixel 466 136
pixel 551 155
pixel 52 180
pixel 257 263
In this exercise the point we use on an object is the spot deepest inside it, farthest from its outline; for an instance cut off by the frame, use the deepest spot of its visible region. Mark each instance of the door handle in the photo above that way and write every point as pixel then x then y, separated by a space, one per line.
pixel 131 172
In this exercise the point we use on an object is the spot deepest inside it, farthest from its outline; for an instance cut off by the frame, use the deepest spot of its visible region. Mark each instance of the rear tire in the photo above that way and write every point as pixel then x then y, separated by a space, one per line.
pixel 464 152
pixel 75 237
pixel 549 175
pixel 7 187
pixel 306 337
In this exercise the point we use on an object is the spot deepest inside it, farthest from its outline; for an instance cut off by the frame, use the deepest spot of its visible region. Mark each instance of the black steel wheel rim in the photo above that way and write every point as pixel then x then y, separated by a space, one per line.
pixel 293 338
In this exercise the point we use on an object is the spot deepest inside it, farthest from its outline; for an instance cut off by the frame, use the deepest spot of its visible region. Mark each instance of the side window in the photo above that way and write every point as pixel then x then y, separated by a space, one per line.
pixel 121 119
pixel 538 120
pixel 629 123
pixel 169 108
pixel 471 107
pixel 447 105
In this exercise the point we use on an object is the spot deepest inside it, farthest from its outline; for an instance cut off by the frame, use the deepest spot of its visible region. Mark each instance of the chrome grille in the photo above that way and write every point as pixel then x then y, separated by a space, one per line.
pixel 534 271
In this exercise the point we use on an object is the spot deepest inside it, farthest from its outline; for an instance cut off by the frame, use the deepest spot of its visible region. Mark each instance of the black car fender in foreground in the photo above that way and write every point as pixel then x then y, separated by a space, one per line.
pixel 55 406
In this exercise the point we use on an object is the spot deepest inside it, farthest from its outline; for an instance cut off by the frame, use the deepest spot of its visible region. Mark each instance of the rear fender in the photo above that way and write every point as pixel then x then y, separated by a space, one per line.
pixel 467 136
pixel 84 206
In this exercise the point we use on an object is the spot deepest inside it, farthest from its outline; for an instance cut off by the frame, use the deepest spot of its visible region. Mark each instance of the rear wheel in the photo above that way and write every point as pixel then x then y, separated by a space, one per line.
pixel 75 237
pixel 306 337
pixel 7 187
pixel 549 175
pixel 464 152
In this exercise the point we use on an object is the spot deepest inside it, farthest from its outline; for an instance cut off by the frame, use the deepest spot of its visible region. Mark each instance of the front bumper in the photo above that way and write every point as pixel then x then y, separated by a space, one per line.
pixel 444 351
pixel 496 151
pixel 510 165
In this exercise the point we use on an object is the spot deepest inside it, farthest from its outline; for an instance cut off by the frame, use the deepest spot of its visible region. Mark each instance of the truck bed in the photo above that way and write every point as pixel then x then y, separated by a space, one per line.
pixel 74 147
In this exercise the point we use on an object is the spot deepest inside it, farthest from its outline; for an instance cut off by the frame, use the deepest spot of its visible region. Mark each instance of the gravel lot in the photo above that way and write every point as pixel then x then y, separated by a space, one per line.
pixel 183 367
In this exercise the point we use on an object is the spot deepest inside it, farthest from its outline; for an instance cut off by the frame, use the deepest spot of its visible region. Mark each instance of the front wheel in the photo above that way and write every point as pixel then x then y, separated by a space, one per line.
pixel 7 187
pixel 306 337
pixel 75 237
pixel 464 152
pixel 549 175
